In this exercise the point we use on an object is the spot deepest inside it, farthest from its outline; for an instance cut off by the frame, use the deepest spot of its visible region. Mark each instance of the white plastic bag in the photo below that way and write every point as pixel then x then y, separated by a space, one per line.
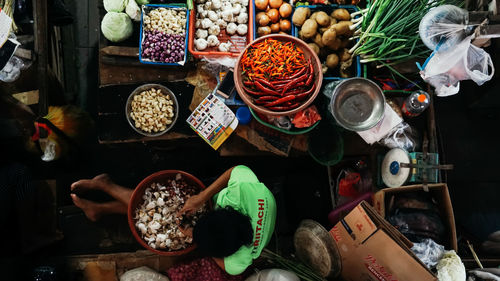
pixel 445 69
pixel 142 273
pixel 273 275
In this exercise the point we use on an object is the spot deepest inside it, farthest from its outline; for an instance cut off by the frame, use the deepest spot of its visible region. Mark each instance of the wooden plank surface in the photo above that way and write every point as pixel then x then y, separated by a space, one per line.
pixel 41 48
pixel 122 74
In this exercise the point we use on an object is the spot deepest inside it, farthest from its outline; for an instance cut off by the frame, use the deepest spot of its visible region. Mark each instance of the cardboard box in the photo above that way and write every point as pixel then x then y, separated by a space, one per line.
pixel 438 191
pixel 372 249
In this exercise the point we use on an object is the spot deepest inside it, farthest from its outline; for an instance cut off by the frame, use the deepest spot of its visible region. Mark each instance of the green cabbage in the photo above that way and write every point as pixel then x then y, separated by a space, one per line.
pixel 133 10
pixel 116 27
pixel 142 2
pixel 115 5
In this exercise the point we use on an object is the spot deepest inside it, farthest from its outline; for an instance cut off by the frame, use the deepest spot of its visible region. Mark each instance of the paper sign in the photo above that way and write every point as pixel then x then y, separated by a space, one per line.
pixel 5 24
pixel 390 120
pixel 213 121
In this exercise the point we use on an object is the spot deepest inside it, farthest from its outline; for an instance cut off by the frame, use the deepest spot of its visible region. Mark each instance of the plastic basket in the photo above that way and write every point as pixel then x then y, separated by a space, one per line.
pixel 239 45
pixel 292 30
pixel 326 144
pixel 146 8
pixel 294 131
pixel 328 9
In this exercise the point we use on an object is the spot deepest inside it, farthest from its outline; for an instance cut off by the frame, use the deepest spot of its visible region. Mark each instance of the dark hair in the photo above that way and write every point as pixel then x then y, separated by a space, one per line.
pixel 221 232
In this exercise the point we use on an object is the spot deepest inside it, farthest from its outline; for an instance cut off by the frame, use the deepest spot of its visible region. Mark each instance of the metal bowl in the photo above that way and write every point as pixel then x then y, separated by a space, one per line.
pixel 145 87
pixel 357 104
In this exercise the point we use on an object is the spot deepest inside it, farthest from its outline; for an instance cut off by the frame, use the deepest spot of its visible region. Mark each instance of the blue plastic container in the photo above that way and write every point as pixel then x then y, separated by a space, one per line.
pixel 146 8
pixel 256 24
pixel 328 9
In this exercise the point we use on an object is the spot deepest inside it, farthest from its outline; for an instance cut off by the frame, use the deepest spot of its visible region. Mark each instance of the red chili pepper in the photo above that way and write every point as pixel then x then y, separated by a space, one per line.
pixel 279 82
pixel 266 83
pixel 280 101
pixel 304 95
pixel 294 83
pixel 266 90
pixel 265 99
pixel 248 83
pixel 311 75
pixel 252 92
pixel 284 108
pixel 302 71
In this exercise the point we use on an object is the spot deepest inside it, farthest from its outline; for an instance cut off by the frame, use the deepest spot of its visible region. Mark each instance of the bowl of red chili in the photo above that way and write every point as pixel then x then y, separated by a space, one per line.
pixel 278 75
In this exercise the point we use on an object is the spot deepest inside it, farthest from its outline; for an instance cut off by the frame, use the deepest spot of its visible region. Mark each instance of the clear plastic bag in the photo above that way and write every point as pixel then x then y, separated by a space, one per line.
pixel 273 275
pixel 428 251
pixel 445 25
pixel 142 273
pixel 402 136
pixel 12 70
pixel 445 69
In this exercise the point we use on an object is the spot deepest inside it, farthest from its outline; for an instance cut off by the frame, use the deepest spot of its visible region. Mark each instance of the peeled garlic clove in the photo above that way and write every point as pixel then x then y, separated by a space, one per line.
pixel 160 202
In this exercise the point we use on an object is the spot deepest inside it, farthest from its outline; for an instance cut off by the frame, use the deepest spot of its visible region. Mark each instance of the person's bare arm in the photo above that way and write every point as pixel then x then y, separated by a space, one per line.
pixel 195 202
pixel 220 263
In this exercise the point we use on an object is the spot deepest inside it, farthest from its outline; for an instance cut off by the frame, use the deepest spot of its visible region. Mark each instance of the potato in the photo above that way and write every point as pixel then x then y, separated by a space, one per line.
pixel 335 45
pixel 300 16
pixel 328 37
pixel 344 54
pixel 317 39
pixel 341 14
pixel 301 36
pixel 322 19
pixel 345 69
pixel 314 47
pixel 314 15
pixel 332 61
pixel 324 68
pixel 323 29
pixel 309 28
pixel 342 28
pixel 263 30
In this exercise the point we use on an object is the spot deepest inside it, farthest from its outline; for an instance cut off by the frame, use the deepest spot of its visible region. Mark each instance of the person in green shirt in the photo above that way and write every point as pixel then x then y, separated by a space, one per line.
pixel 241 224
pixel 233 234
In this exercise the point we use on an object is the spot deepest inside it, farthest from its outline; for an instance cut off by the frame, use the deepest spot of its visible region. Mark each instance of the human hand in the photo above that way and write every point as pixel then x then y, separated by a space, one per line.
pixel 188 231
pixel 193 204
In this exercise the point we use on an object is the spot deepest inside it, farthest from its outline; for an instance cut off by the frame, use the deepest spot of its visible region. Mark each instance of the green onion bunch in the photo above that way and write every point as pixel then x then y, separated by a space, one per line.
pixel 302 271
pixel 389 31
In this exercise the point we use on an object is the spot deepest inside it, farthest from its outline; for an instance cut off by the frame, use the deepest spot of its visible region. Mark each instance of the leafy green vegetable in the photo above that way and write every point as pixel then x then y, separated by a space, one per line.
pixel 142 2
pixel 116 27
pixel 389 31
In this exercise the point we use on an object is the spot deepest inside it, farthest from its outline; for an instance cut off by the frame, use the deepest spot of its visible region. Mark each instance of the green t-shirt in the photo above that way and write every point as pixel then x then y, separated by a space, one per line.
pixel 247 195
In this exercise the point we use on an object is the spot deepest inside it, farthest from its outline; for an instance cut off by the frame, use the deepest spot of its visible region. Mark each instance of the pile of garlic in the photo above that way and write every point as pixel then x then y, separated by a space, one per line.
pixel 155 217
pixel 213 16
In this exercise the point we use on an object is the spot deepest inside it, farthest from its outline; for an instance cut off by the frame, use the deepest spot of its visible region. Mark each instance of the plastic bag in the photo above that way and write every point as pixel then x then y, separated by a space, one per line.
pixel 445 25
pixel 12 69
pixel 450 267
pixel 142 273
pixel 306 118
pixel 273 275
pixel 428 251
pixel 402 136
pixel 445 69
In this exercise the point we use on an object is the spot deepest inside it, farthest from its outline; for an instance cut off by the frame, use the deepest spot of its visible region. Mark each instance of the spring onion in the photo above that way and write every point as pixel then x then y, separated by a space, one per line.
pixel 389 31
pixel 302 271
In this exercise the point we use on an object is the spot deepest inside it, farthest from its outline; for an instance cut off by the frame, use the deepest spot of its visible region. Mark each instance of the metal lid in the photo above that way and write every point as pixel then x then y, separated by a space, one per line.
pixel 393 175
pixel 315 247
